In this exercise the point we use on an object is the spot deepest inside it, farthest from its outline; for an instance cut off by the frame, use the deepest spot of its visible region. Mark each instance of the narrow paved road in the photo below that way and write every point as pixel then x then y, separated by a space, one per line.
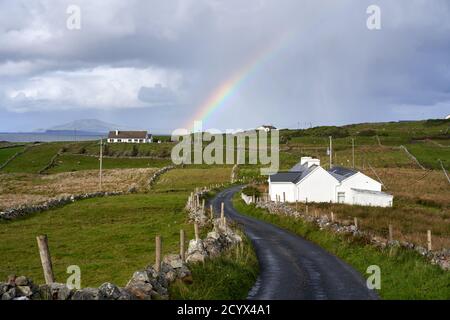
pixel 292 267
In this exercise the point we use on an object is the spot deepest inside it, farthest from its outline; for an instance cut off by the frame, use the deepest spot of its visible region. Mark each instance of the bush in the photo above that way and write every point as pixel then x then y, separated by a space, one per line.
pixel 251 191
pixel 367 133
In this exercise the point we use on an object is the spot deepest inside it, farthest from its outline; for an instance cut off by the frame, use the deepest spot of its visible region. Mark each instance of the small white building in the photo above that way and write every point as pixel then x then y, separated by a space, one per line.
pixel 129 137
pixel 307 181
pixel 266 128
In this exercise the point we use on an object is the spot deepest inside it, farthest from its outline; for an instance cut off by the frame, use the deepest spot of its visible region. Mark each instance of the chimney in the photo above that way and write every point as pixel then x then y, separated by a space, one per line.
pixel 117 132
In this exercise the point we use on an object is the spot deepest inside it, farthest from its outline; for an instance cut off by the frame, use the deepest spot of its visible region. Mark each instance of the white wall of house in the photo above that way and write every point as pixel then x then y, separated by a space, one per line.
pixel 318 186
pixel 344 192
pixel 361 181
pixel 133 140
pixel 368 199
pixel 278 188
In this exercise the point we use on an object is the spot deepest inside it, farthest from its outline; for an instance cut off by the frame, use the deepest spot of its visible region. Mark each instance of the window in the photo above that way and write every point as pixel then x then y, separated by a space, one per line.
pixel 341 197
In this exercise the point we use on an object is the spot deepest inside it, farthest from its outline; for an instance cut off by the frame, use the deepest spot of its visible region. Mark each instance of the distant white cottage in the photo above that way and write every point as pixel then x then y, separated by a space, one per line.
pixel 266 128
pixel 307 181
pixel 129 137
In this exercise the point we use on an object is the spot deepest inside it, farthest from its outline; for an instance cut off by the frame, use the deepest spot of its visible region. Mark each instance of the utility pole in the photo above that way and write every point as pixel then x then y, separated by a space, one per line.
pixel 331 152
pixel 101 162
pixel 353 152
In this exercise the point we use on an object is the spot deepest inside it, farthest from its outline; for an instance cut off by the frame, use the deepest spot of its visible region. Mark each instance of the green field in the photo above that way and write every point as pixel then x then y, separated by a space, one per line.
pixel 429 154
pixel 70 162
pixel 109 238
pixel 161 150
pixel 34 158
pixel 7 153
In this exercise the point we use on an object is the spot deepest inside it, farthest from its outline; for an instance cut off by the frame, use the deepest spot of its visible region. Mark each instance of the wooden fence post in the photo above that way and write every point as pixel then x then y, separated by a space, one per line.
pixel 203 206
pixel 429 240
pixel 211 209
pixel 356 222
pixel 222 211
pixel 391 233
pixel 284 196
pixel 182 252
pixel 332 216
pixel 197 236
pixel 158 253
pixel 46 260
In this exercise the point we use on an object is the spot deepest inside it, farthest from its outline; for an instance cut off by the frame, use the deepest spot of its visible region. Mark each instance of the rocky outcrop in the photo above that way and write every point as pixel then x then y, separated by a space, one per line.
pixel 21 211
pixel 441 258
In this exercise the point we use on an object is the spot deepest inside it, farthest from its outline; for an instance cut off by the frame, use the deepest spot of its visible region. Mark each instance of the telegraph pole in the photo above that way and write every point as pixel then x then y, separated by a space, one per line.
pixel 331 152
pixel 353 152
pixel 101 163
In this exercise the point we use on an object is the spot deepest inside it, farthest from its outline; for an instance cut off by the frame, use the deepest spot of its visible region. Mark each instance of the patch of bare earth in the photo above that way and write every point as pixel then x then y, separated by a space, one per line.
pixel 26 189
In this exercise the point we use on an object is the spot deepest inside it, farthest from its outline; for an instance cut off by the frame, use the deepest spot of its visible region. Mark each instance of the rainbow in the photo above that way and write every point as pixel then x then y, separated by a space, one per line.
pixel 227 88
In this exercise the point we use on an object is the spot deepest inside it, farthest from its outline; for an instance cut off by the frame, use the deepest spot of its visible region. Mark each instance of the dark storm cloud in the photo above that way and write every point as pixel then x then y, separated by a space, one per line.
pixel 168 56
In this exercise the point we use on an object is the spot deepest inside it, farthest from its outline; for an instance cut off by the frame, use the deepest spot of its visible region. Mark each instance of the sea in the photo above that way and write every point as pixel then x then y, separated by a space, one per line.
pixel 48 137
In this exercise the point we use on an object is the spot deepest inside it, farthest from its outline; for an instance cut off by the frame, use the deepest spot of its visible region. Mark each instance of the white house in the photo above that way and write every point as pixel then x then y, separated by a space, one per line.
pixel 266 128
pixel 307 181
pixel 129 137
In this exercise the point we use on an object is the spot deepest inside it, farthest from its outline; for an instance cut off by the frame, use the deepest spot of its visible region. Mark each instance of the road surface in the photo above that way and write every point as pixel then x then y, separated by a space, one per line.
pixel 292 267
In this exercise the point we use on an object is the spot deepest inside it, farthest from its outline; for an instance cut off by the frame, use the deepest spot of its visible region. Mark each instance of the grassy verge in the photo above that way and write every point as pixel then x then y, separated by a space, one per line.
pixel 404 274
pixel 230 276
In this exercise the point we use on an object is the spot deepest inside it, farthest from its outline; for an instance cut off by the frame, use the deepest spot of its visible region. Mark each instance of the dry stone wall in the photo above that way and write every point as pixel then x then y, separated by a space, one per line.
pixel 441 258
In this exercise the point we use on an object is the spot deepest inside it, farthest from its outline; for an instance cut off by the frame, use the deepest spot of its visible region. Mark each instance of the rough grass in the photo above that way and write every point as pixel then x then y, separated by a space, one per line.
pixel 109 238
pixel 188 179
pixel 230 276
pixel 24 188
pixel 404 274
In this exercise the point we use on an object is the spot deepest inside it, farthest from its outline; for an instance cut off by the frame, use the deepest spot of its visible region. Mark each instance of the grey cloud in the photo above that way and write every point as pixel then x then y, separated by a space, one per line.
pixel 331 69
pixel 157 95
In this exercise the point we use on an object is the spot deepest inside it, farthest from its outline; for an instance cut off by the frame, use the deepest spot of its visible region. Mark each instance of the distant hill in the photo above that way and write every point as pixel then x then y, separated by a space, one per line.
pixel 86 125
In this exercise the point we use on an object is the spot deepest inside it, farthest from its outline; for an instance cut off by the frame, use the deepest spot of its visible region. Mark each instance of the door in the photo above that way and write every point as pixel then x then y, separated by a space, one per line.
pixel 341 197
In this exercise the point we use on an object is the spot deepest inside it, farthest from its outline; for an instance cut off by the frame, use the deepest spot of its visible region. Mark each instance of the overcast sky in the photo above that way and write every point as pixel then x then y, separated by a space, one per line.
pixel 151 64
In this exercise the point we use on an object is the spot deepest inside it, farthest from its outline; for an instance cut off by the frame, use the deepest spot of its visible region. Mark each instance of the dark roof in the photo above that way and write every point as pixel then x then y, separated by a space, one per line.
pixel 291 176
pixel 341 173
pixel 128 134
pixel 298 167
pixel 268 126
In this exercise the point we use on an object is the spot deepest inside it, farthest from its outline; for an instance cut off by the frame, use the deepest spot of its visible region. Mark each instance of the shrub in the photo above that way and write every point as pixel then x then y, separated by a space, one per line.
pixel 367 133
pixel 251 191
